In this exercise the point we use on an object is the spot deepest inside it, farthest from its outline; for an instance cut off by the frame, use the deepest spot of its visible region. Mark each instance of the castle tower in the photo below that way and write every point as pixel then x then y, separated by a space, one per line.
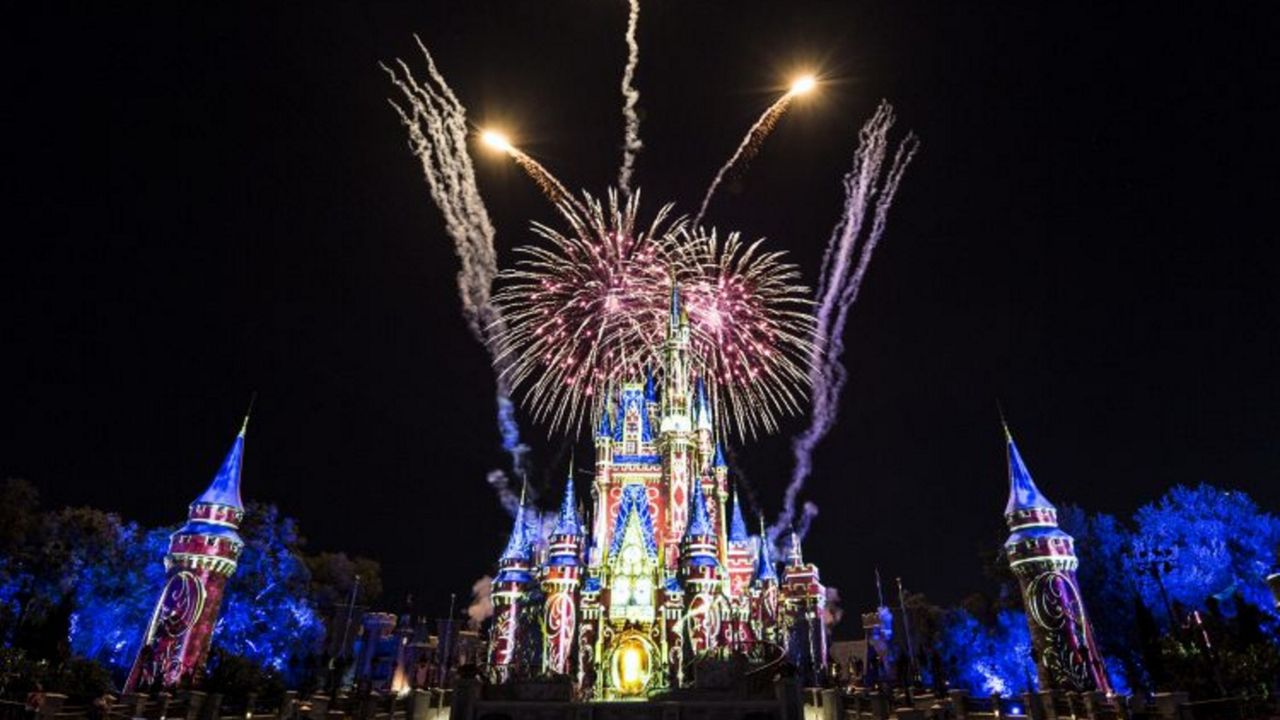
pixel 1043 559
pixel 739 569
pixel 675 429
pixel 600 487
pixel 202 555
pixel 741 562
pixel 560 585
pixel 764 588
pixel 701 569
pixel 509 595
pixel 804 601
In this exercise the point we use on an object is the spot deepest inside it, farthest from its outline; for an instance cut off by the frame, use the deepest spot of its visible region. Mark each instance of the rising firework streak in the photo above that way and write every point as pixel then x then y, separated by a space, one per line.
pixel 755 136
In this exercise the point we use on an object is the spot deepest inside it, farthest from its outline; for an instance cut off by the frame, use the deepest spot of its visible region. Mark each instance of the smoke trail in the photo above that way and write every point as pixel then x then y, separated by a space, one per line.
pixel 630 97
pixel 437 125
pixel 747 149
pixel 481 607
pixel 868 196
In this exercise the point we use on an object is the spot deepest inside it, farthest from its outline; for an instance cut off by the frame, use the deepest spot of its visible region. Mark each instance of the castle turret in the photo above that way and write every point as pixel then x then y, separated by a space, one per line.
pixel 202 555
pixel 675 429
pixel 764 587
pixel 509 594
pixel 740 567
pixel 804 601
pixel 1043 558
pixel 560 585
pixel 701 570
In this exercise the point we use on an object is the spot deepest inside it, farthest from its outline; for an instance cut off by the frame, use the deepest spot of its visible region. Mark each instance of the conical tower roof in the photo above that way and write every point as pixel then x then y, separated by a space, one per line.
pixel 764 564
pixel 225 488
pixel 568 522
pixel 699 523
pixel 737 526
pixel 1023 493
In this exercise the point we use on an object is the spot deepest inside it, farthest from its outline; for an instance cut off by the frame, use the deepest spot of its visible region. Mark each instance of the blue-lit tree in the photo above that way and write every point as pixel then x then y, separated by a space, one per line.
pixel 1207 542
pixel 989 659
pixel 1104 546
pixel 268 616
pixel 112 597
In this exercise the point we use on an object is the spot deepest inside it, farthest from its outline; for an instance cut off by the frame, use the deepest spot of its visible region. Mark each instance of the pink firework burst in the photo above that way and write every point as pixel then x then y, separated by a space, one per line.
pixel 751 325
pixel 591 309
pixel 581 312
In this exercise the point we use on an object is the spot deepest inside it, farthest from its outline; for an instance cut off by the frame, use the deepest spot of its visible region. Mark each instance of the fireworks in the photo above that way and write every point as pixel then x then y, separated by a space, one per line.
pixel 581 312
pixel 750 325
pixel 592 308
pixel 542 177
pixel 754 138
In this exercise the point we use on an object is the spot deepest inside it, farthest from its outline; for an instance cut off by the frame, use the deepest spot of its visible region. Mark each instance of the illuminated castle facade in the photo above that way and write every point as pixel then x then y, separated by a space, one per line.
pixel 659 570
pixel 1043 558
pixel 202 555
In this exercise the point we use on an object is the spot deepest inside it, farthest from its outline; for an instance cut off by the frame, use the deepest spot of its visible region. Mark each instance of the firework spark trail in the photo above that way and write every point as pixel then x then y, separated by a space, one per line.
pixel 438 135
pixel 631 144
pixel 747 149
pixel 868 195
pixel 546 182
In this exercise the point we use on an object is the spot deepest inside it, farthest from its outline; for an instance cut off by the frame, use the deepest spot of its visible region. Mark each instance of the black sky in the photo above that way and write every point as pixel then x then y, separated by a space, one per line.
pixel 201 202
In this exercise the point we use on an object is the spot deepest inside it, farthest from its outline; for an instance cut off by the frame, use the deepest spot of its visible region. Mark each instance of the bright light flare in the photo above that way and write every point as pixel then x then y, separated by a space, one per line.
pixel 496 140
pixel 802 85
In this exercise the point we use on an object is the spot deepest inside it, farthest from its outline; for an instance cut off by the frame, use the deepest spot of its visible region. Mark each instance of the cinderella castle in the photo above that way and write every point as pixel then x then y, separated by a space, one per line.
pixel 658 570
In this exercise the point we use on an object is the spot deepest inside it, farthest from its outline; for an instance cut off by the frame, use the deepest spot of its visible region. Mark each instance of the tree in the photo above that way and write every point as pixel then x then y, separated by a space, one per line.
pixel 989 659
pixel 268 616
pixel 333 576
pixel 1216 541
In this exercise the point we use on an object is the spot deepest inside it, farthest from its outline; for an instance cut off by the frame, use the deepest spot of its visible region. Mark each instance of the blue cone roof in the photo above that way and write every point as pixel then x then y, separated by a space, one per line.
pixel 568 523
pixel 518 544
pixel 719 461
pixel 737 526
pixel 699 523
pixel 764 568
pixel 1023 493
pixel 635 501
pixel 225 488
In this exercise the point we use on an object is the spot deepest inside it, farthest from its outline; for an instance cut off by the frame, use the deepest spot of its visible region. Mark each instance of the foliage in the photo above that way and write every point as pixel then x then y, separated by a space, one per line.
pixel 114 598
pixel 1103 546
pixel 987 659
pixel 268 616
pixel 1215 540
pixel 333 576
pixel 82 581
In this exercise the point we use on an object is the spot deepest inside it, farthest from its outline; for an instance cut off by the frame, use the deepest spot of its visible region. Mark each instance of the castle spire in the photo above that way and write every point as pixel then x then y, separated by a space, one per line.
pixel 224 490
pixel 699 523
pixel 518 544
pixel 737 526
pixel 764 569
pixel 701 407
pixel 1023 493
pixel 568 522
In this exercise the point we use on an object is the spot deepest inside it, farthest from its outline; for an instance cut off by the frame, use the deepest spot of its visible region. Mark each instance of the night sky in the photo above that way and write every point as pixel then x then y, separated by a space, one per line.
pixel 204 203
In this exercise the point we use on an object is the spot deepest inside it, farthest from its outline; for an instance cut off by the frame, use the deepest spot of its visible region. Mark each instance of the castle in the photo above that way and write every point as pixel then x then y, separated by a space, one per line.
pixel 660 571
